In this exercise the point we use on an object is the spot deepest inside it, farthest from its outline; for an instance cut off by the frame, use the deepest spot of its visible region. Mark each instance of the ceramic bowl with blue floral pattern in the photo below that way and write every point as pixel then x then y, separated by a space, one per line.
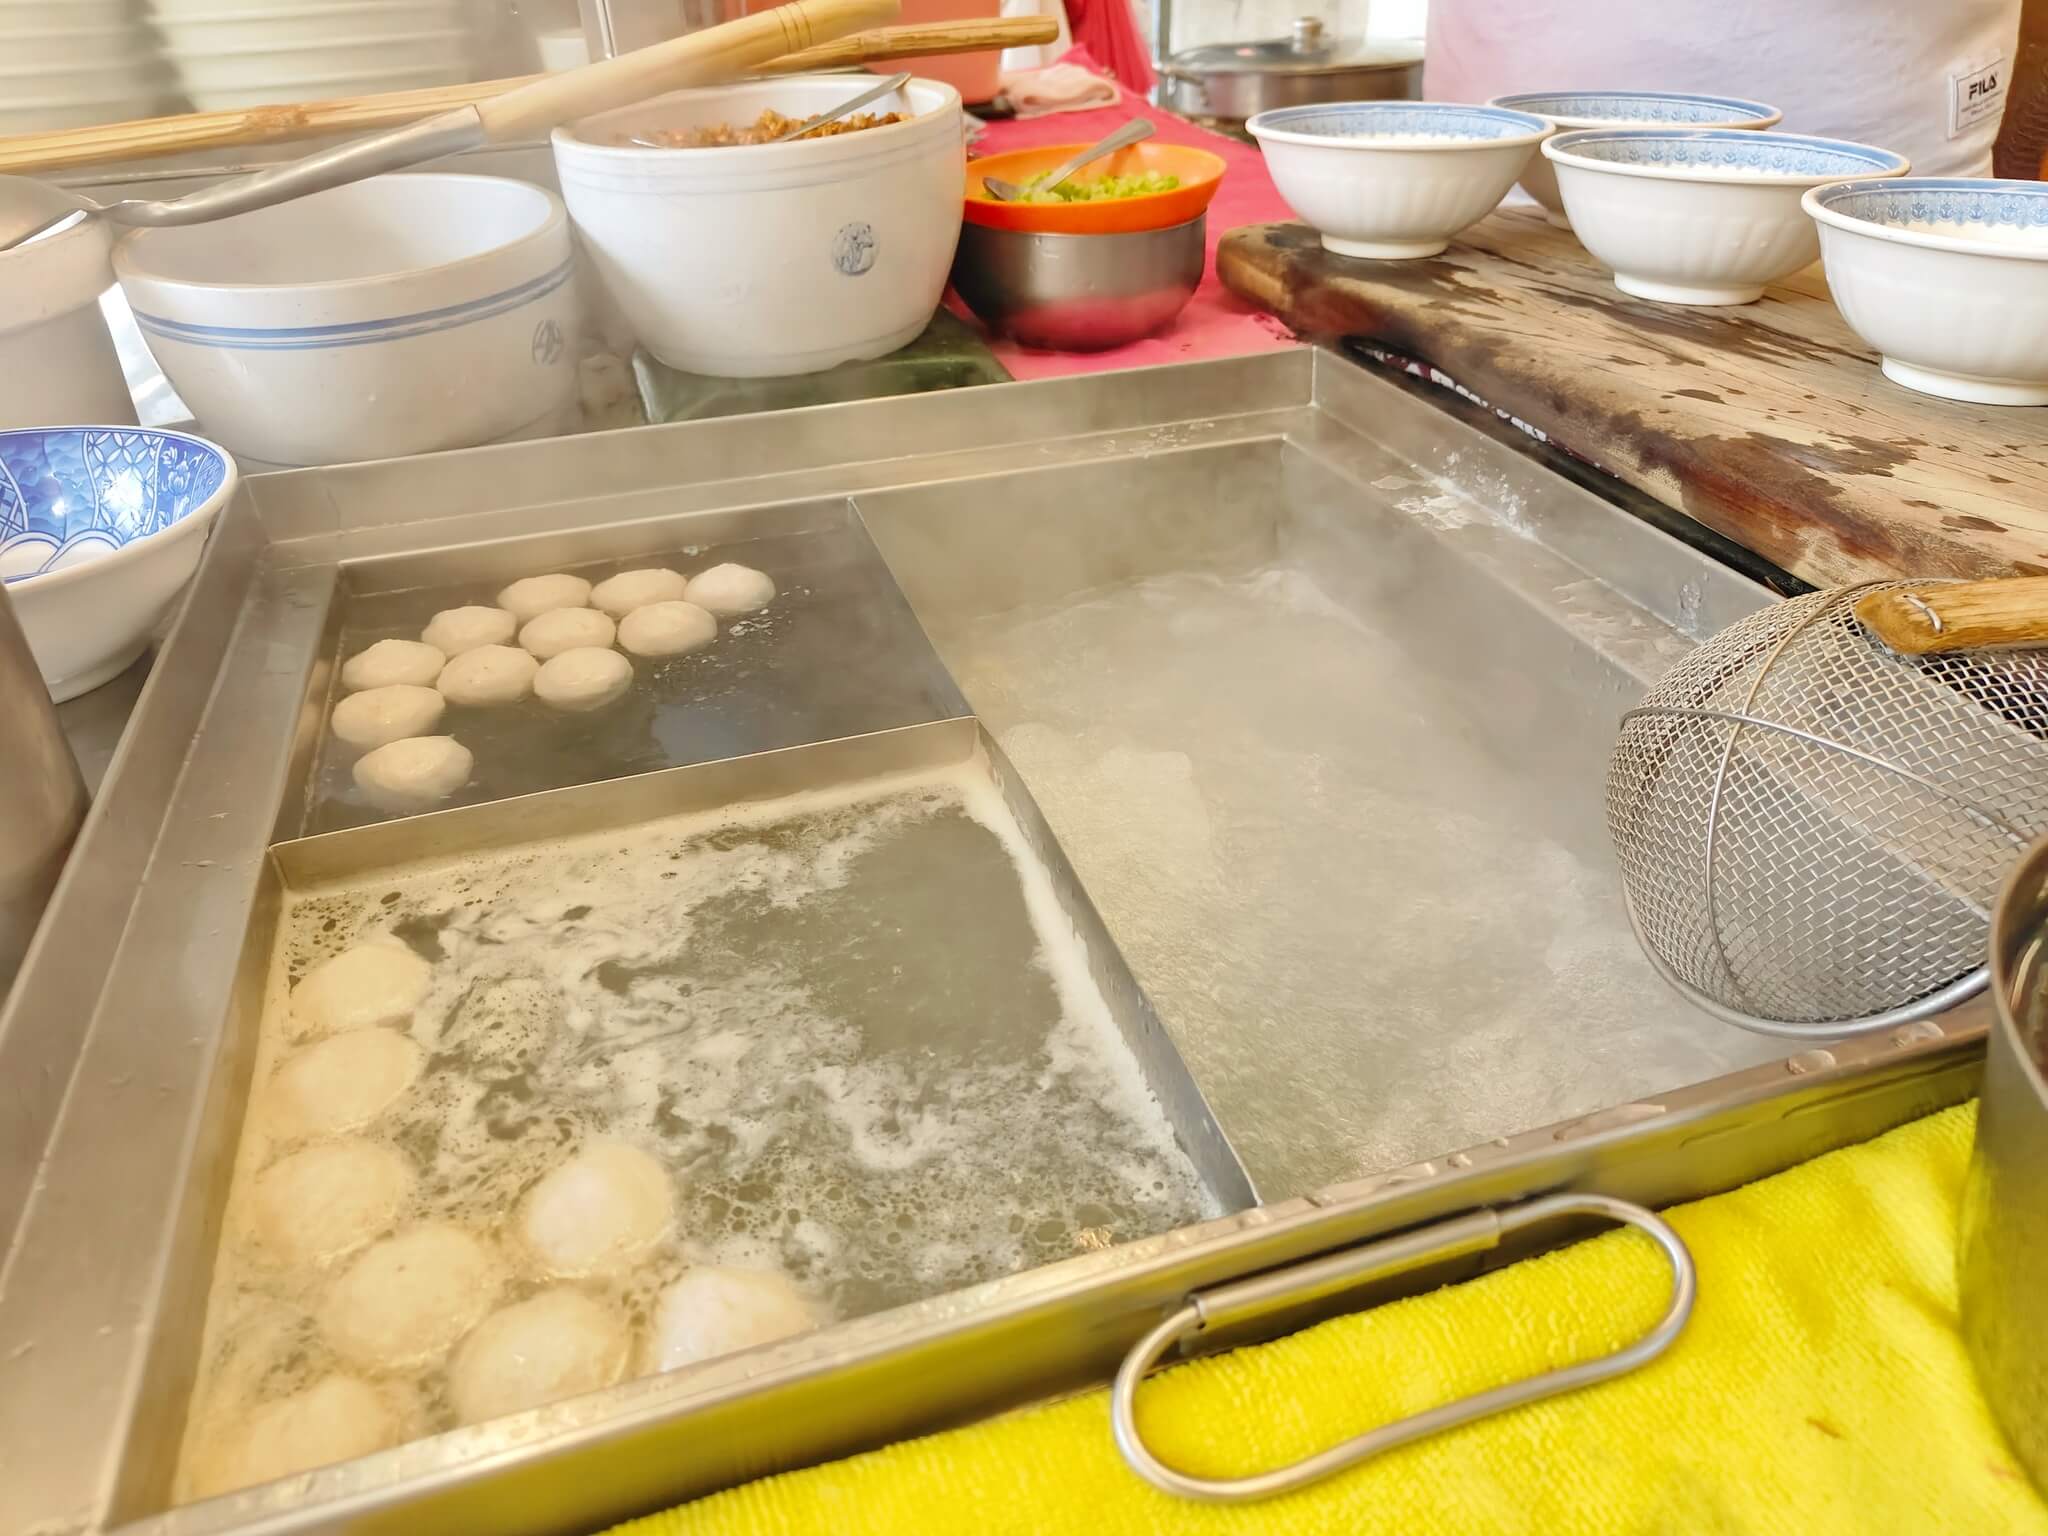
pixel 1947 278
pixel 1702 215
pixel 1624 109
pixel 99 529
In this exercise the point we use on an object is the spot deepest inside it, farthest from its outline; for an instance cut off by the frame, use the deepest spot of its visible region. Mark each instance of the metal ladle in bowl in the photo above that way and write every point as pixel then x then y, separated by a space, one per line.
pixel 845 109
pixel 1009 191
pixel 713 55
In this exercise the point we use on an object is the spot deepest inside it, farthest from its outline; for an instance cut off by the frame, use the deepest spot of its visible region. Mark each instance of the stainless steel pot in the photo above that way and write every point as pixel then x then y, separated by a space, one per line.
pixel 1234 81
pixel 2004 1249
pixel 1079 293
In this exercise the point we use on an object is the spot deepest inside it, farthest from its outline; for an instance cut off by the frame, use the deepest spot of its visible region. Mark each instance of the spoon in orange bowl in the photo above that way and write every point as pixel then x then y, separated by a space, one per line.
pixel 1009 191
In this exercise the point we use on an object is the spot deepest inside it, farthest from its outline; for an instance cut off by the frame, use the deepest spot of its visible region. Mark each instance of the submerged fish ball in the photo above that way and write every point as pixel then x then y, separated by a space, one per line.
pixel 531 596
pixel 567 629
pixel 582 679
pixel 598 1213
pixel 328 1200
pixel 407 1300
pixel 455 630
pixel 712 1311
pixel 390 713
pixel 410 774
pixel 667 629
pixel 379 982
pixel 343 1082
pixel 628 590
pixel 490 674
pixel 338 1418
pixel 731 590
pixel 392 661
pixel 552 1346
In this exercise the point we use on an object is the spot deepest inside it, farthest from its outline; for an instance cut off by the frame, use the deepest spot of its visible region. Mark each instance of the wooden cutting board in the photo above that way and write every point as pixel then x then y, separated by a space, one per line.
pixel 1770 422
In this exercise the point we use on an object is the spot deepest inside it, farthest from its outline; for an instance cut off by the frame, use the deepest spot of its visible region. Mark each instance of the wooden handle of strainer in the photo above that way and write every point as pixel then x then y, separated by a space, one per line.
pixel 2007 614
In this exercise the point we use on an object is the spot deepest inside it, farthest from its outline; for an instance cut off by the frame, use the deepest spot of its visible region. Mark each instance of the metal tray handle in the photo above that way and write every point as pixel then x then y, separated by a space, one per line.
pixel 1474 1233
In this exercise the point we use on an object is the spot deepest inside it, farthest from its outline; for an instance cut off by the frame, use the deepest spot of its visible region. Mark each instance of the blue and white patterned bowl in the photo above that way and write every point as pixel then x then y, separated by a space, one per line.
pixel 99 529
pixel 1701 216
pixel 1947 278
pixel 1599 109
pixel 1388 180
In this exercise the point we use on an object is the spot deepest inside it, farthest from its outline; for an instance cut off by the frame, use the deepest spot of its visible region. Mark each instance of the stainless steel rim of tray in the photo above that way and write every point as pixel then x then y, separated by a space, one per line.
pixel 122 1069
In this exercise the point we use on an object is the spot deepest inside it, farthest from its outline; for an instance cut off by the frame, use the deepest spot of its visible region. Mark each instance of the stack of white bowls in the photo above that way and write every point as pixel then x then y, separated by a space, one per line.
pixel 248 53
pixel 67 63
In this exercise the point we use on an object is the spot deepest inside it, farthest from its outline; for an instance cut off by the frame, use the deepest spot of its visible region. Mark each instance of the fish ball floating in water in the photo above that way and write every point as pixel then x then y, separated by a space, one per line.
pixel 407 1300
pixel 551 1346
pixel 490 674
pixel 567 629
pixel 598 1213
pixel 338 1418
pixel 455 630
pixel 412 774
pixel 667 629
pixel 731 590
pixel 585 678
pixel 343 1082
pixel 371 984
pixel 325 1202
pixel 392 661
pixel 530 597
pixel 378 716
pixel 712 1311
pixel 628 590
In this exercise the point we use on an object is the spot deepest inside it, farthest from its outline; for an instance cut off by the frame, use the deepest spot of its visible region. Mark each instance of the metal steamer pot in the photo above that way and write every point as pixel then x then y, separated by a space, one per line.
pixel 2004 1246
pixel 1234 81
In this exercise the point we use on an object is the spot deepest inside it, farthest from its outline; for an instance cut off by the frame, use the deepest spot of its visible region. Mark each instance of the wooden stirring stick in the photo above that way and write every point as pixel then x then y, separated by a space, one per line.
pixel 144 138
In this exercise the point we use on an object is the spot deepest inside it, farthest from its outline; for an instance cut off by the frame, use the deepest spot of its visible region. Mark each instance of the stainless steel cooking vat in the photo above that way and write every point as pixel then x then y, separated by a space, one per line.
pixel 2004 1247
pixel 41 792
pixel 1233 82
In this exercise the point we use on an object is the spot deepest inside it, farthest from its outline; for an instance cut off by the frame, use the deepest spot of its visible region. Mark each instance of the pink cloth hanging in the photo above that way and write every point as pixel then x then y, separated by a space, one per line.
pixel 1108 31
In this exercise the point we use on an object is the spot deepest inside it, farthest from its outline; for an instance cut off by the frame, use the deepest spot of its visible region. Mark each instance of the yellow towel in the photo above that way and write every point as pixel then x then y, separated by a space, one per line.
pixel 1820 1387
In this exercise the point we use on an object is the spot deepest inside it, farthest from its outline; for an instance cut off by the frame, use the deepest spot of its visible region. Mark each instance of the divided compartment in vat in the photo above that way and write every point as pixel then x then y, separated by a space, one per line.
pixel 1326 740
pixel 963 1032
pixel 836 654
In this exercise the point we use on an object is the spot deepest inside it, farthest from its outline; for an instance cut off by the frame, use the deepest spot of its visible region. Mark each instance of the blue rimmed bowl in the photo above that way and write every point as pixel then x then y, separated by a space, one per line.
pixel 1947 278
pixel 398 315
pixel 1702 216
pixel 100 527
pixel 1624 109
pixel 1390 180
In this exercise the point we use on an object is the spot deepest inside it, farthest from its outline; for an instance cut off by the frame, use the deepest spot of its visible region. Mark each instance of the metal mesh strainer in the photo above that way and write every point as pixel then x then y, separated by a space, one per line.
pixel 1813 828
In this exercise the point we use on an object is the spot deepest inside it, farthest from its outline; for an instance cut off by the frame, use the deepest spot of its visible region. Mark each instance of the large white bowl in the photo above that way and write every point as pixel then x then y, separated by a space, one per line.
pixel 1394 179
pixel 1703 216
pixel 99 529
pixel 1618 109
pixel 399 315
pixel 305 26
pixel 761 260
pixel 57 359
pixel 210 68
pixel 1947 278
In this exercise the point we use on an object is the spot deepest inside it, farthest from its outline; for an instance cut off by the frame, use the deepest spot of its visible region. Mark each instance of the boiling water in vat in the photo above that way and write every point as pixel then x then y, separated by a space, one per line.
pixel 1367 890
pixel 856 1027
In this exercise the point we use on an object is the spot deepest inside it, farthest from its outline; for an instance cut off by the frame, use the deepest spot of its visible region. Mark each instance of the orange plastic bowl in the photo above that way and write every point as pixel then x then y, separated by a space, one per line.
pixel 1199 171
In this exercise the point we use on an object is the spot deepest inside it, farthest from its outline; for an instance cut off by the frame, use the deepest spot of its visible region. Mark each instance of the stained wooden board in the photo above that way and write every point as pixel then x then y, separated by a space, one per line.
pixel 1770 423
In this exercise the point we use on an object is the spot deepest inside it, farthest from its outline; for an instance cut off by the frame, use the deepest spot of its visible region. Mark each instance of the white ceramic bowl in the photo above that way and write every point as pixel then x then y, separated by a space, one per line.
pixel 399 315
pixel 195 30
pixel 240 69
pixel 762 260
pixel 1394 179
pixel 57 359
pixel 1947 278
pixel 1570 110
pixel 76 48
pixel 19 16
pixel 1703 216
pixel 111 522
pixel 123 75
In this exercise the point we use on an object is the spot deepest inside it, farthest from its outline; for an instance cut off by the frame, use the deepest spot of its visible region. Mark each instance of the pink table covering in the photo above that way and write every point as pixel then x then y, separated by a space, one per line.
pixel 1216 323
